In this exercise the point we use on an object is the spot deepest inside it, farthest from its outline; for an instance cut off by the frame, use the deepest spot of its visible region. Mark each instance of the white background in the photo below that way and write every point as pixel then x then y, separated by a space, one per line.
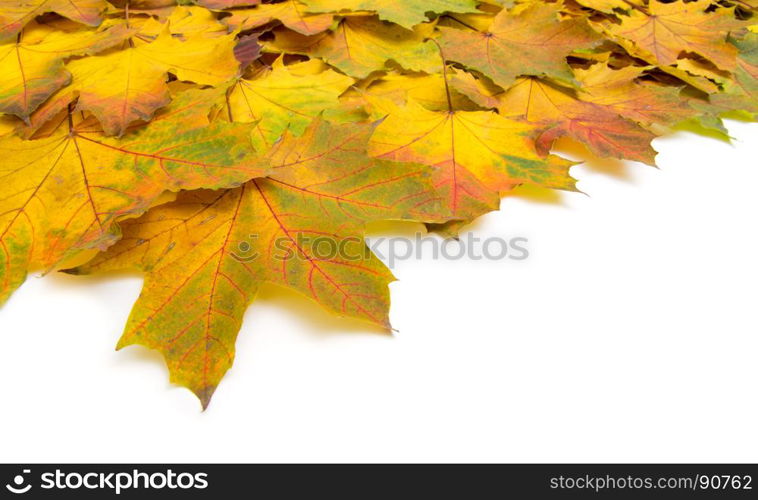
pixel 630 334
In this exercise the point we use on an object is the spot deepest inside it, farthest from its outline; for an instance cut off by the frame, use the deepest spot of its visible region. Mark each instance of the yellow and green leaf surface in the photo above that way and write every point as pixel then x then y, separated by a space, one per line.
pixel 206 144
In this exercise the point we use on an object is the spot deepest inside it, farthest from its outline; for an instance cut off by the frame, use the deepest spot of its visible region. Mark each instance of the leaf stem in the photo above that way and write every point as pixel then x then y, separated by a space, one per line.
pixel 637 7
pixel 460 22
pixel 126 16
pixel 444 74
pixel 743 4
pixel 228 103
pixel 70 118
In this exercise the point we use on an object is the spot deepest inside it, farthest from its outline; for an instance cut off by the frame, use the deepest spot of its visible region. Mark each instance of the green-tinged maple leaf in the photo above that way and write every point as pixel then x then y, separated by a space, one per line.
pixel 662 32
pixel 15 14
pixel 407 13
pixel 206 253
pixel 285 97
pixel 742 94
pixel 361 45
pixel 31 69
pixel 64 193
pixel 530 41
pixel 476 154
pixel 273 99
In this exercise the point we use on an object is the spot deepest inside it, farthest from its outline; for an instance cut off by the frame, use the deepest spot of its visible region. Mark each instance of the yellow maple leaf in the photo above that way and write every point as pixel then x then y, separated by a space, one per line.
pixel 291 13
pixel 663 32
pixel 362 45
pixel 532 40
pixel 64 193
pixel 407 13
pixel 31 68
pixel 183 21
pixel 128 85
pixel 476 154
pixel 624 91
pixel 15 14
pixel 559 112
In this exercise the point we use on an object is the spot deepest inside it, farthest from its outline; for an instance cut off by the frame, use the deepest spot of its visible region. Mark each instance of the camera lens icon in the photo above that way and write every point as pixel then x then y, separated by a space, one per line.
pixel 18 484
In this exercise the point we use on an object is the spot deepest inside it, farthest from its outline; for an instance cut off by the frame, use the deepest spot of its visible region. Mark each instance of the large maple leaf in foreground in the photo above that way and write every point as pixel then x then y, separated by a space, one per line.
pixel 206 253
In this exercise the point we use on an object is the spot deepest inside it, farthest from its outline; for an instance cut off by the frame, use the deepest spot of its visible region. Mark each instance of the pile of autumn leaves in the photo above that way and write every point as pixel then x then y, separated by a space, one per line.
pixel 186 141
